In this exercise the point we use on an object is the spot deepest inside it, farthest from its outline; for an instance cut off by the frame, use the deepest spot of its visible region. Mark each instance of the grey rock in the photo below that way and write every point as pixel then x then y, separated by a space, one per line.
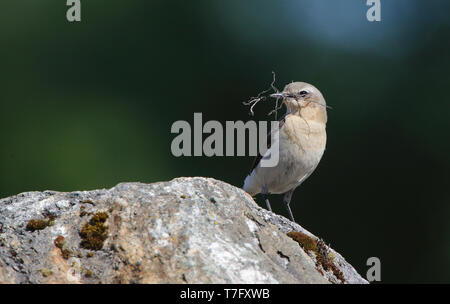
pixel 188 230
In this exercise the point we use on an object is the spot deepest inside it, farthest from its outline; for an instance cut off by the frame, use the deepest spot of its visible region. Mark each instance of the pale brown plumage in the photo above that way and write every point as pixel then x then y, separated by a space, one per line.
pixel 302 140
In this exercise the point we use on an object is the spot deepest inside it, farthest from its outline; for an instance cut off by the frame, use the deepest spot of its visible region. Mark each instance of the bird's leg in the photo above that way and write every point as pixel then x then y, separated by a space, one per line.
pixel 287 201
pixel 265 195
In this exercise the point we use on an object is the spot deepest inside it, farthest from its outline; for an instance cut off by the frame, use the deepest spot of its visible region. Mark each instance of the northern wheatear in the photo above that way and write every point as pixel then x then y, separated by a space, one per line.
pixel 302 138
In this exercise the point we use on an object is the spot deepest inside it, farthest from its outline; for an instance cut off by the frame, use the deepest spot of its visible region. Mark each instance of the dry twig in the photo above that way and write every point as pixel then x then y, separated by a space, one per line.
pixel 263 96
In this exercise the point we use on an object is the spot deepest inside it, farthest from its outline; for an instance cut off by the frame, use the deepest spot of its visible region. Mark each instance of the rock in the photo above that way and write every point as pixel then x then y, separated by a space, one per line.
pixel 188 230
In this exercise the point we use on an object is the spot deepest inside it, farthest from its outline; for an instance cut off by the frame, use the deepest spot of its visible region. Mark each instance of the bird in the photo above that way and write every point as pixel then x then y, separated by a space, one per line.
pixel 301 137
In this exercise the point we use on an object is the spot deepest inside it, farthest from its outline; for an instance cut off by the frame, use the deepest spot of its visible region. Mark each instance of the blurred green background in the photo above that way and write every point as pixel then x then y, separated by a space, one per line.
pixel 88 105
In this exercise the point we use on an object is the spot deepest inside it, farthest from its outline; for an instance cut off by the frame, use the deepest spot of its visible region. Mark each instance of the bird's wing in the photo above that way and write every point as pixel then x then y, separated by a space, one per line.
pixel 269 142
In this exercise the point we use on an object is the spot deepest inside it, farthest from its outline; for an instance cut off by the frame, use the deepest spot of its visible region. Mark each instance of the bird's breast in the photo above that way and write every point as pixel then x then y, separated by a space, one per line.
pixel 308 136
pixel 302 144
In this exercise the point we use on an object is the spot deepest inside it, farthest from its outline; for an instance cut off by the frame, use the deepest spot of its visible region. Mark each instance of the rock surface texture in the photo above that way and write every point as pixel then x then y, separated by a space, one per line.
pixel 188 230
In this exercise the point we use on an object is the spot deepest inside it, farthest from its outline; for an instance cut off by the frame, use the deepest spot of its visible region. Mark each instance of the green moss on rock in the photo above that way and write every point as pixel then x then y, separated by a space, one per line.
pixel 305 241
pixel 39 224
pixel 60 242
pixel 46 272
pixel 94 233
pixel 324 258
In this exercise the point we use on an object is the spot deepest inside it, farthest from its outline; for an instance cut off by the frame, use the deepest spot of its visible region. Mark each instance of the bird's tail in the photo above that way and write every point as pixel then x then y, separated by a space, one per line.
pixel 249 186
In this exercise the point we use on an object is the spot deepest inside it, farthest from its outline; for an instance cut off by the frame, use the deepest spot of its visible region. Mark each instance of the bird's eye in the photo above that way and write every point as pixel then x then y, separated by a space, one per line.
pixel 303 93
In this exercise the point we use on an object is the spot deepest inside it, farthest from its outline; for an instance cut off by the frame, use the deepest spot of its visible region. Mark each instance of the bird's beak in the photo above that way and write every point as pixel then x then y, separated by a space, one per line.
pixel 278 95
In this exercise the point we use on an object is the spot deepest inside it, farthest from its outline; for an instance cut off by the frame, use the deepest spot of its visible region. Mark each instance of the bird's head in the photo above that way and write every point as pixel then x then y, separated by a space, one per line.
pixel 304 99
